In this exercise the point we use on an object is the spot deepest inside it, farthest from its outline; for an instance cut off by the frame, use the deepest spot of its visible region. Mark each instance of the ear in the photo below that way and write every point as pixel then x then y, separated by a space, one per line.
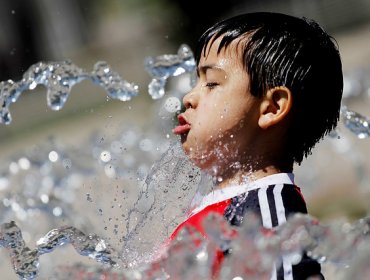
pixel 275 106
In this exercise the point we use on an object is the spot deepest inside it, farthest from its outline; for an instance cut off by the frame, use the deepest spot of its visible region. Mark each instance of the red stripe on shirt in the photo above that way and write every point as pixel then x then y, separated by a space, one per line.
pixel 196 220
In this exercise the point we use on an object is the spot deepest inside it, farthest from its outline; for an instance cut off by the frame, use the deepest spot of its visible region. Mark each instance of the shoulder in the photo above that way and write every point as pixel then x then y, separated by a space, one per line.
pixel 273 203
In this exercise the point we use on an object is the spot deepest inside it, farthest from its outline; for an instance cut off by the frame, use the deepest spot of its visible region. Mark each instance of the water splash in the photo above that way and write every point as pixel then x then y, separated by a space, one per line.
pixel 25 261
pixel 165 199
pixel 356 123
pixel 86 245
pixel 168 65
pixel 254 251
pixel 297 235
pixel 59 78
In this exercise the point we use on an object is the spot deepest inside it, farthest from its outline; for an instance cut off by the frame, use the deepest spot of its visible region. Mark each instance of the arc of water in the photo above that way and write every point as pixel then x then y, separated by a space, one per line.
pixel 168 65
pixel 26 261
pixel 356 123
pixel 59 77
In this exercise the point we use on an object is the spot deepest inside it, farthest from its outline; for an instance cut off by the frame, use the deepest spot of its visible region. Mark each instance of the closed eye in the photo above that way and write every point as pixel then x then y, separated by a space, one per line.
pixel 211 85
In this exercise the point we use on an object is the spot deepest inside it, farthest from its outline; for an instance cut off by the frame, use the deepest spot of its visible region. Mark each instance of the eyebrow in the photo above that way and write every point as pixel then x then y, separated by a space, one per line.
pixel 203 69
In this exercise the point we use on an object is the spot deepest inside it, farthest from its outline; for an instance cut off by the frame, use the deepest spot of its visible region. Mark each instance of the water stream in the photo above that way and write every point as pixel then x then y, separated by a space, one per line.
pixel 48 184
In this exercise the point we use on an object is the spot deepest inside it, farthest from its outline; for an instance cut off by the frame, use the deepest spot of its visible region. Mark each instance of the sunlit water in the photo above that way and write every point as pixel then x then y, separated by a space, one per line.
pixel 42 189
pixel 59 78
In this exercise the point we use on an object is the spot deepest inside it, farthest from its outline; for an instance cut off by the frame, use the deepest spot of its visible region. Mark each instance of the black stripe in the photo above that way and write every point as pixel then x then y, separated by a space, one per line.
pixel 241 205
pixel 280 270
pixel 293 201
pixel 272 206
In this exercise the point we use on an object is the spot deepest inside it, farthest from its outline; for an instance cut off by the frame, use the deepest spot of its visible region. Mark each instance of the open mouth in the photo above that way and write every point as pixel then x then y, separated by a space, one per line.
pixel 183 127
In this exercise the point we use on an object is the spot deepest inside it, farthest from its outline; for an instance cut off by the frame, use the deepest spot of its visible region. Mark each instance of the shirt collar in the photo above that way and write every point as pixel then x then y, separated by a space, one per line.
pixel 228 192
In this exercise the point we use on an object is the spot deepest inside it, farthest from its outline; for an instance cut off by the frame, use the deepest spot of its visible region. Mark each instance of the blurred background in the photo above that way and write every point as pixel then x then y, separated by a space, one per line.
pixel 123 32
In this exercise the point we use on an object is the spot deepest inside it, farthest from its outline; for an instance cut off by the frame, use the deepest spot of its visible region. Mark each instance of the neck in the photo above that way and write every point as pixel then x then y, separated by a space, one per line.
pixel 236 174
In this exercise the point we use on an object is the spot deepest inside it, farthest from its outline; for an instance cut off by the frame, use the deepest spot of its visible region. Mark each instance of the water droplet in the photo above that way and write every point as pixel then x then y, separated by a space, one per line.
pixel 156 88
pixel 165 66
pixel 57 211
pixel 67 163
pixel 4 183
pixel 105 156
pixel 13 168
pixel 44 198
pixel 172 104
pixel 356 123
pixel 24 163
pixel 53 156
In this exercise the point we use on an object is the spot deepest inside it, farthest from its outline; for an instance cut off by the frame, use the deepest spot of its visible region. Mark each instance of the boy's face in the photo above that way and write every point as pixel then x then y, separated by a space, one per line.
pixel 220 123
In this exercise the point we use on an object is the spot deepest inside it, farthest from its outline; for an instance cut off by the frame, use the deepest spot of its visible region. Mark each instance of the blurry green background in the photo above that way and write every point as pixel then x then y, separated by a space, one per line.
pixel 124 32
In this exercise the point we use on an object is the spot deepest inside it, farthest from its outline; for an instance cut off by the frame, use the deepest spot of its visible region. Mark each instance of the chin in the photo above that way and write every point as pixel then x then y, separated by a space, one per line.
pixel 203 162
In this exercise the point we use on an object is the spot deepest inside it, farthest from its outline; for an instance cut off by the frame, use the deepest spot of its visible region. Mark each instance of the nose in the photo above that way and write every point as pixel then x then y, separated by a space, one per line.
pixel 191 99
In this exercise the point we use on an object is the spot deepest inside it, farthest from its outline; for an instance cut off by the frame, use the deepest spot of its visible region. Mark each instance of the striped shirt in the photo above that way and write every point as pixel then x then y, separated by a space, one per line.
pixel 272 198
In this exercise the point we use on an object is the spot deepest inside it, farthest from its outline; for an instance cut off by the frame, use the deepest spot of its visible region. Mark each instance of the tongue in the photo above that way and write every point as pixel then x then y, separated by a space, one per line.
pixel 181 129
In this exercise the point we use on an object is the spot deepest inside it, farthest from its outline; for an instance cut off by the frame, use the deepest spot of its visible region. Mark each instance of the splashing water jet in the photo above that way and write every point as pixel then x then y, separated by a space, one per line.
pixel 59 78
pixel 332 243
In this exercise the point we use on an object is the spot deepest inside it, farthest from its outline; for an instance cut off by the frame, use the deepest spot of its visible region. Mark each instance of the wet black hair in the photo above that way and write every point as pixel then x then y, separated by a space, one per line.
pixel 282 50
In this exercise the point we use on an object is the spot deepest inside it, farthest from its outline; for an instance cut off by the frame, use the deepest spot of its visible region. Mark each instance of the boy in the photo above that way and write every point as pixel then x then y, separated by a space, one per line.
pixel 269 88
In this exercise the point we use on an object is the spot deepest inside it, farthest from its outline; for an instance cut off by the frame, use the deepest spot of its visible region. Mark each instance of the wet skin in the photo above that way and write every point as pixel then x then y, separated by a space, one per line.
pixel 225 129
pixel 221 119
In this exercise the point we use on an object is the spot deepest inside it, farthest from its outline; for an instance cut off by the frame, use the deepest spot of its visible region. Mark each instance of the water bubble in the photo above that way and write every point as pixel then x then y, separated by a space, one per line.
pixel 13 167
pixel 172 104
pixel 4 183
pixel 24 163
pixel 105 156
pixel 67 163
pixel 44 198
pixel 53 156
pixel 57 211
